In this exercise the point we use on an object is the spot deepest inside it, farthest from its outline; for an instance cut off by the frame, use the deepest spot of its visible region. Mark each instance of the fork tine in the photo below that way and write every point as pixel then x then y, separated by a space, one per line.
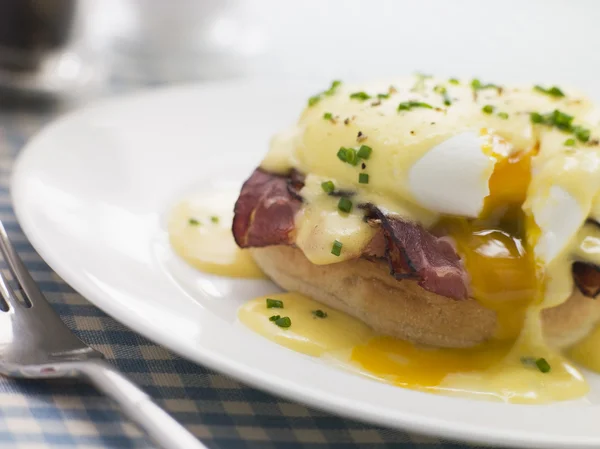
pixel 8 294
pixel 31 291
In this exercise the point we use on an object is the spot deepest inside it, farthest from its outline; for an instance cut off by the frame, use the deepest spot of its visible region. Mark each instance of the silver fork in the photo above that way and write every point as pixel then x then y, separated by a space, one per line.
pixel 35 343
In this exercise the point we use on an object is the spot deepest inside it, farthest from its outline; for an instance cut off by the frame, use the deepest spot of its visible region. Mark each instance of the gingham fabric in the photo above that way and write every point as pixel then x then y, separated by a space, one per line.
pixel 222 412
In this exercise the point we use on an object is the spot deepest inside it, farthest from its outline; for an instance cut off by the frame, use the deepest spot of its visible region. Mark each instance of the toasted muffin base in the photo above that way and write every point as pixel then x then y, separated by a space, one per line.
pixel 364 289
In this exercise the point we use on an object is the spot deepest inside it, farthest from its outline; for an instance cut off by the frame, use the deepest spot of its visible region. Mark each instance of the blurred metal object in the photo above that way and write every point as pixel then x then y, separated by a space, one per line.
pixel 36 54
pixel 77 49
pixel 30 29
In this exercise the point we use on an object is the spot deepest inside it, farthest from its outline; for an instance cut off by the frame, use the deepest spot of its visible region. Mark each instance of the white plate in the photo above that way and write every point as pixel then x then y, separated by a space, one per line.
pixel 91 192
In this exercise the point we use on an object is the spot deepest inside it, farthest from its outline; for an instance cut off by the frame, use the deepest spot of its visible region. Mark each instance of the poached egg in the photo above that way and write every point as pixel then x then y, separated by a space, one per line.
pixel 509 173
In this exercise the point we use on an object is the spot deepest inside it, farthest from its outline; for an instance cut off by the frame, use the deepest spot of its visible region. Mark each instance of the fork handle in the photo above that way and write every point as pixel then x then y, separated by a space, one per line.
pixel 138 406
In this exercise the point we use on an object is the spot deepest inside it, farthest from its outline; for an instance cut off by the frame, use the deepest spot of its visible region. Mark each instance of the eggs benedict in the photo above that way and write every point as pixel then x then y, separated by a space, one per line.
pixel 443 212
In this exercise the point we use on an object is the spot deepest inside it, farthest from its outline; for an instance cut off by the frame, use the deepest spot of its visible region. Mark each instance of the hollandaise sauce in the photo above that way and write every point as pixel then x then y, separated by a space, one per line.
pixel 200 233
pixel 495 371
pixel 586 352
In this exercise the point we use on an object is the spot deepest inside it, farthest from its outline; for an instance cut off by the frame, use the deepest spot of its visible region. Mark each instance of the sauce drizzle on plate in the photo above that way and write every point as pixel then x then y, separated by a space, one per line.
pixel 200 233
pixel 494 371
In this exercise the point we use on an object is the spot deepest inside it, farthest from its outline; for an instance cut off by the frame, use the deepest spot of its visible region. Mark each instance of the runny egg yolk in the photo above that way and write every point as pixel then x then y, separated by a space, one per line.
pixel 503 278
pixel 410 366
pixel 494 247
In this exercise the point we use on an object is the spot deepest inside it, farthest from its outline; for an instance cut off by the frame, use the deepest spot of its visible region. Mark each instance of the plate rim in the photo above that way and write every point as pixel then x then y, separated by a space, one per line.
pixel 420 424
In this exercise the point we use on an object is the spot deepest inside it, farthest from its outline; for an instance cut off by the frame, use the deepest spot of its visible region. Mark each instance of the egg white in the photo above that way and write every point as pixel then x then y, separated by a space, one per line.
pixel 453 177
pixel 559 216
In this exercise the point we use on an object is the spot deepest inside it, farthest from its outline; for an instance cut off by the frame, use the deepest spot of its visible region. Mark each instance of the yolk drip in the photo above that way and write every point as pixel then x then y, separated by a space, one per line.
pixel 508 184
pixel 411 366
pixel 494 247
pixel 492 370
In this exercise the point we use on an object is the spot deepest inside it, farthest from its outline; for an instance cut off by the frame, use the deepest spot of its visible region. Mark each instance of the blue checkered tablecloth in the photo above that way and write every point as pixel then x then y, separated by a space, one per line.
pixel 222 412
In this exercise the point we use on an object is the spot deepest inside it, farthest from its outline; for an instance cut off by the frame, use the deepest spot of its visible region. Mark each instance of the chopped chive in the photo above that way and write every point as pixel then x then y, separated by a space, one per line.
pixel 274 317
pixel 328 186
pixel 329 92
pixel 383 96
pixel 334 85
pixel 347 155
pixel 487 109
pixel 561 120
pixel 363 178
pixel 336 249
pixel 364 152
pixel 344 204
pixel 274 303
pixel 543 365
pixel 214 219
pixel 193 222
pixel 328 116
pixel 478 85
pixel 319 313
pixel 351 156
pixel 454 81
pixel 314 100
pixel 536 117
pixel 408 105
pixel 569 143
pixel 581 133
pixel 557 119
pixel 362 96
pixel 444 93
pixel 283 321
pixel 553 91
pixel 540 363
pixel 503 115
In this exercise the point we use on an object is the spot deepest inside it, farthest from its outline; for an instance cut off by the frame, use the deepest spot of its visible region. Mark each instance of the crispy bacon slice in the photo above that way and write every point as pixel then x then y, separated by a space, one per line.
pixel 587 278
pixel 412 252
pixel 264 212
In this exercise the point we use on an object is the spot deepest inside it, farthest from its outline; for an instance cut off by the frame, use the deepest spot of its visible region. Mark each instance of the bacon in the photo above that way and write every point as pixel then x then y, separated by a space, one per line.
pixel 264 212
pixel 587 278
pixel 412 252
pixel 264 216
